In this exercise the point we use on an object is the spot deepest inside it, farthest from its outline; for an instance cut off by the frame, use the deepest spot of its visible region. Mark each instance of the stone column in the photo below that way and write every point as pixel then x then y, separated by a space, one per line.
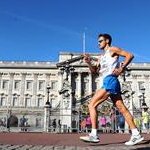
pixel 47 108
pixel 10 88
pixel 67 106
pixel 79 85
pixel 22 92
pixel 90 83
pixel 60 78
pixel 35 89
pixel 146 80
pixel 1 77
pixel 46 118
pixel 0 87
pixel 136 100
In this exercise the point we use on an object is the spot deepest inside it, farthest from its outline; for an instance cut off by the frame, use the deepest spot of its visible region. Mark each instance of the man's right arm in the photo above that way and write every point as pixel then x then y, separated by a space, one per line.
pixel 94 68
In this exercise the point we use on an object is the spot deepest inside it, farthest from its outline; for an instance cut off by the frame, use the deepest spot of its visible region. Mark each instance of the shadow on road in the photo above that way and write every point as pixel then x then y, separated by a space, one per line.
pixel 142 148
pixel 114 143
pixel 122 142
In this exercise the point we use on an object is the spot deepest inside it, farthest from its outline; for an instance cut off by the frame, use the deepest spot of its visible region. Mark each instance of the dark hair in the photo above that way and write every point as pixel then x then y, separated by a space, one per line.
pixel 106 36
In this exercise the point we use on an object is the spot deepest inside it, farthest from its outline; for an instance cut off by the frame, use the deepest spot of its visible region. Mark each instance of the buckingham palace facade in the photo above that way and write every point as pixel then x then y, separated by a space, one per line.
pixel 23 88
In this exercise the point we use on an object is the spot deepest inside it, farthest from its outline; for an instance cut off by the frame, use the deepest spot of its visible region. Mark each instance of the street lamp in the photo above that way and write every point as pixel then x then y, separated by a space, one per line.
pixel 127 89
pixel 47 110
pixel 126 73
pixel 143 98
pixel 67 69
pixel 67 93
pixel 48 91
pixel 66 85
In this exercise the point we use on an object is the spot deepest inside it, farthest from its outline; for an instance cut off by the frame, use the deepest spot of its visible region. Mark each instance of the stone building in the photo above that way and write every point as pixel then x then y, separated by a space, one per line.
pixel 23 88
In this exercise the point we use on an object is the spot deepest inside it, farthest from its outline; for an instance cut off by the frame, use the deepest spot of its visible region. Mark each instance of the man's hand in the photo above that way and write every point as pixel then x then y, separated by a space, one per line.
pixel 118 71
pixel 87 58
pixel 93 68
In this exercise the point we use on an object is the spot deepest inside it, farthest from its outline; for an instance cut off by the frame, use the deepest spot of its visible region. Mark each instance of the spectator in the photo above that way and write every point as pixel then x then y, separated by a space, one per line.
pixel 137 123
pixel 145 118
pixel 121 123
pixel 54 125
pixel 83 125
pixel 88 124
pixel 113 119
pixel 74 125
pixel 22 123
pixel 103 122
pixel 59 125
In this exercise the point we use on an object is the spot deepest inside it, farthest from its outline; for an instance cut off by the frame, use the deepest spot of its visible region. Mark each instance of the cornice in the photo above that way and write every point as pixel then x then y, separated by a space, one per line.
pixel 27 65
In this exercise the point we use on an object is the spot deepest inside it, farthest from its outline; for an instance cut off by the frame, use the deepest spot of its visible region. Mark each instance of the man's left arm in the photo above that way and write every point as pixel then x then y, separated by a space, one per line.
pixel 127 57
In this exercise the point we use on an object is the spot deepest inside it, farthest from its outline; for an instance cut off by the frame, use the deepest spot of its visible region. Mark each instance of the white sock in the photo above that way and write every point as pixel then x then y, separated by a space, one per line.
pixel 94 132
pixel 135 131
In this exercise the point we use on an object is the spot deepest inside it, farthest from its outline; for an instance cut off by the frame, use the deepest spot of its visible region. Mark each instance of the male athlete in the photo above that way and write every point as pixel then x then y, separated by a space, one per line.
pixel 110 68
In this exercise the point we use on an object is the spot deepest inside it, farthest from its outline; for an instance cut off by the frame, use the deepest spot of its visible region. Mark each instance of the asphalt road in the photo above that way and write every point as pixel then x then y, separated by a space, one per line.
pixel 48 141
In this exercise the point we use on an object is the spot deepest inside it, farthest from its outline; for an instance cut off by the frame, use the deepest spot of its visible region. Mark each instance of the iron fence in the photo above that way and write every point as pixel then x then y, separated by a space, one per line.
pixel 35 122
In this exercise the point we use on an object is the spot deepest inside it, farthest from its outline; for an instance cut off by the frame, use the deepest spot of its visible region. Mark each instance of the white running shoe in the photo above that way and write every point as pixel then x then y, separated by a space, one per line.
pixel 90 138
pixel 134 140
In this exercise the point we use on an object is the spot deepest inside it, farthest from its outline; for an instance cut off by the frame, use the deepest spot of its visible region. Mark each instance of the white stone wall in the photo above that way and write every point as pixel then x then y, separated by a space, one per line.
pixel 48 73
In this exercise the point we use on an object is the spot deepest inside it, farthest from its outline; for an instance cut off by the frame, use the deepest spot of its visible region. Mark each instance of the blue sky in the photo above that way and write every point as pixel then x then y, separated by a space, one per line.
pixel 37 30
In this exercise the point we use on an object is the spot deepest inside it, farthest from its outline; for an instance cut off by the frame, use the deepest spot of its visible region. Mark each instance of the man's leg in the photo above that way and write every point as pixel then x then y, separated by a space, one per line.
pixel 125 112
pixel 136 137
pixel 100 96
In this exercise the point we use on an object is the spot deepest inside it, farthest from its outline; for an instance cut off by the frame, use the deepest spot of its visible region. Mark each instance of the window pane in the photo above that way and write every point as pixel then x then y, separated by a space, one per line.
pixel 141 85
pixel 2 101
pixel 5 85
pixel 41 85
pixel 52 101
pixel 39 102
pixel 27 102
pixel 15 101
pixel 16 85
pixel 54 85
pixel 28 86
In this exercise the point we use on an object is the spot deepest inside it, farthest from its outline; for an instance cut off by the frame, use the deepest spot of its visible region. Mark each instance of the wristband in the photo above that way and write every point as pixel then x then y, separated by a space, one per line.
pixel 92 63
pixel 123 67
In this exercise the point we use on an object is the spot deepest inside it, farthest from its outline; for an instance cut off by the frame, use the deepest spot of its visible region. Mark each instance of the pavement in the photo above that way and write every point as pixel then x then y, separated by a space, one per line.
pixel 53 141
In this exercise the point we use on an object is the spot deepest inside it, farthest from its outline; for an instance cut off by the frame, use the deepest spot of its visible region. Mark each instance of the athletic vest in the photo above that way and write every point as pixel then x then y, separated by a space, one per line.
pixel 108 64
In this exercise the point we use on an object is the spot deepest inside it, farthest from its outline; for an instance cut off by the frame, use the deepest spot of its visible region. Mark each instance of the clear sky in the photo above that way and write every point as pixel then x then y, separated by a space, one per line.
pixel 37 30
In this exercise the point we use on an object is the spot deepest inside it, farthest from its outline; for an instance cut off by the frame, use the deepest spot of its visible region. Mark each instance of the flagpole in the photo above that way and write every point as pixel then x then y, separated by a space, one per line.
pixel 84 42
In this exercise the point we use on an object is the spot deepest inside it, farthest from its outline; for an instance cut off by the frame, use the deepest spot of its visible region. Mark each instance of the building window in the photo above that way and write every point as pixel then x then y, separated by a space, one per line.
pixel 27 102
pixel 5 84
pixel 140 85
pixel 16 85
pixel 54 85
pixel 85 86
pixel 94 86
pixel 41 85
pixel 28 85
pixel 40 102
pixel 15 101
pixel 38 122
pixel 52 102
pixel 3 101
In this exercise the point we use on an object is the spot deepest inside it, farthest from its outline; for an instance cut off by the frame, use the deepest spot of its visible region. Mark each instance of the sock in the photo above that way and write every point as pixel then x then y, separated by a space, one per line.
pixel 135 131
pixel 94 132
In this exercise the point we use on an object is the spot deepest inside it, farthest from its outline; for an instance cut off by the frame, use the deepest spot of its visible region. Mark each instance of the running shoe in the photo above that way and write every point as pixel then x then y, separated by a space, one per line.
pixel 134 140
pixel 90 138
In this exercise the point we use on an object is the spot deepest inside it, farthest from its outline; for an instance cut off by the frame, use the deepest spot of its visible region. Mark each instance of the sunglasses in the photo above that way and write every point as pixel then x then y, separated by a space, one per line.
pixel 100 41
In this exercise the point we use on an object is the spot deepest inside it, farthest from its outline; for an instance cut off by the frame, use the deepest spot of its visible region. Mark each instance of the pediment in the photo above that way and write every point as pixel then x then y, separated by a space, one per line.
pixel 76 61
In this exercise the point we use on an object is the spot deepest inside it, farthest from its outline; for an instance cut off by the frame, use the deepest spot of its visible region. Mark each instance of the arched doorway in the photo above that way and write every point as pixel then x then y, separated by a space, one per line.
pixel 12 121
